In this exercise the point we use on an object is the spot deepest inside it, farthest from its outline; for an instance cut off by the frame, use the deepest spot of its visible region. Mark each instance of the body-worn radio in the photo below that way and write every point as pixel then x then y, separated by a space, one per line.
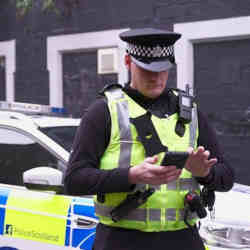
pixel 185 105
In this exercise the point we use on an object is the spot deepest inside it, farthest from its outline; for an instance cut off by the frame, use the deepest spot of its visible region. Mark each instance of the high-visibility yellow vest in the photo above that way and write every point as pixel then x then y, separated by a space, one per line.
pixel 164 210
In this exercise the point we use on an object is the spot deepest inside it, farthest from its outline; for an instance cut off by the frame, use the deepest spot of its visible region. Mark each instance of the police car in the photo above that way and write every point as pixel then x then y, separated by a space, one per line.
pixel 34 150
pixel 228 227
pixel 34 212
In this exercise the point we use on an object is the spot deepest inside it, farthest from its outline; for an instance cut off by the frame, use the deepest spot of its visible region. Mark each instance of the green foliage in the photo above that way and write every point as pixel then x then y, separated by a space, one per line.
pixel 58 6
pixel 23 6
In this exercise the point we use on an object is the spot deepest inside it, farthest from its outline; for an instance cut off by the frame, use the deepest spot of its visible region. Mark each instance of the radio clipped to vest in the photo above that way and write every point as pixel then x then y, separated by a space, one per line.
pixel 185 105
pixel 186 100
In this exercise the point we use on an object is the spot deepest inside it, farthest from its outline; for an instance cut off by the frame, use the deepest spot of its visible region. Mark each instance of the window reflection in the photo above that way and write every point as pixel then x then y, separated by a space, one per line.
pixel 19 153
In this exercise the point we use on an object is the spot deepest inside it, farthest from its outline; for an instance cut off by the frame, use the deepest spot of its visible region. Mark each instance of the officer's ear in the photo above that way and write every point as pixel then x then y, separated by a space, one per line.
pixel 127 61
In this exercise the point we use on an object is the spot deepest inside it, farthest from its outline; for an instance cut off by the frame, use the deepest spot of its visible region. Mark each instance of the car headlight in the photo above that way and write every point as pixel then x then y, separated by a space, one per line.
pixel 227 234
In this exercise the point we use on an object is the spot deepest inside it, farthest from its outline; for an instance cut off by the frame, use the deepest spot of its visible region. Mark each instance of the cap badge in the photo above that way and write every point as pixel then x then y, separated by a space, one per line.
pixel 157 51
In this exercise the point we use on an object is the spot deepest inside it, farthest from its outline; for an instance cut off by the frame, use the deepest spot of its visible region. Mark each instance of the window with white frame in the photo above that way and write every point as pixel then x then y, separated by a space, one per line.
pixel 204 31
pixel 8 65
pixel 57 45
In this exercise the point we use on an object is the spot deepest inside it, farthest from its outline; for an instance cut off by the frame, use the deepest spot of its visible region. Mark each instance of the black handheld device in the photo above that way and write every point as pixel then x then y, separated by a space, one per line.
pixel 177 159
pixel 130 203
pixel 185 105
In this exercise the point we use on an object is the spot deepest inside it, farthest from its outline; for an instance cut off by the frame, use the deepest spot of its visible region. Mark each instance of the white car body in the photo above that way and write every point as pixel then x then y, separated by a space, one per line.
pixel 229 227
pixel 31 219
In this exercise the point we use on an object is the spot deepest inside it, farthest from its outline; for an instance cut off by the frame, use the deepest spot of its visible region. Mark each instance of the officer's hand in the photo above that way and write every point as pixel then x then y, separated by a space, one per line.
pixel 149 173
pixel 198 162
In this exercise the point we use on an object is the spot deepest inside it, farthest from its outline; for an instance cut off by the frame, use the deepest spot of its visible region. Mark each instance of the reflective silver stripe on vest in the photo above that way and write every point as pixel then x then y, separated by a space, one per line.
pixel 172 185
pixel 171 214
pixel 184 184
pixel 154 214
pixel 137 214
pixel 124 127
pixel 125 135
pixel 140 214
pixel 188 184
pixel 193 127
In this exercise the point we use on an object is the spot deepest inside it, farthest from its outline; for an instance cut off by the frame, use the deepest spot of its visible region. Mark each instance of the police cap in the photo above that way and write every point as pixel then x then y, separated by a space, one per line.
pixel 151 49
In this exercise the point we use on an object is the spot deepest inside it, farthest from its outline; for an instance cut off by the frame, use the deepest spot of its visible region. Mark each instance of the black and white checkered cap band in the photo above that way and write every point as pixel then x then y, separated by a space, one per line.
pixel 150 52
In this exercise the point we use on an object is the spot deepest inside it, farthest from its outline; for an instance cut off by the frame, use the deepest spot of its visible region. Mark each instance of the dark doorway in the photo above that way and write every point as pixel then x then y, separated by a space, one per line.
pixel 222 83
pixel 81 83
pixel 2 79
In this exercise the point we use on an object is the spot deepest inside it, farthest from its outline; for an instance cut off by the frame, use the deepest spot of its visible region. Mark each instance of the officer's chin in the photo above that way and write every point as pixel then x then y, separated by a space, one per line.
pixel 155 92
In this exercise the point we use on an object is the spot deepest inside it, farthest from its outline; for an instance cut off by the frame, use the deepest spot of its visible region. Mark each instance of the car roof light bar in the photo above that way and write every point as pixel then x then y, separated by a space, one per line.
pixel 31 108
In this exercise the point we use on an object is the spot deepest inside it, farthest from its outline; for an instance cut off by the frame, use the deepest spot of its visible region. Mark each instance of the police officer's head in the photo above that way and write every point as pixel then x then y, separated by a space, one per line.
pixel 150 54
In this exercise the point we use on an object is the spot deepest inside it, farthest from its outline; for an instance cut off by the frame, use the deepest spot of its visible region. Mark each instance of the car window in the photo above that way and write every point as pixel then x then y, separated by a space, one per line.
pixel 64 136
pixel 18 153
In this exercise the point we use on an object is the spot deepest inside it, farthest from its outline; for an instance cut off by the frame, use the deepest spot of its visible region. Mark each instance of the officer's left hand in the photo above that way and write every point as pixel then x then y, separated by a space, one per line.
pixel 198 162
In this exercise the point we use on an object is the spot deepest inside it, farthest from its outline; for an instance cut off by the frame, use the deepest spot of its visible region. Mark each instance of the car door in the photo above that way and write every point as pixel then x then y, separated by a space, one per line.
pixel 33 219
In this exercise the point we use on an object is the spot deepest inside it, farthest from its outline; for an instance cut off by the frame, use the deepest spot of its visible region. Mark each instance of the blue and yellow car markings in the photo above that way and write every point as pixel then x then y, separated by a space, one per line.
pixel 3 200
pixel 82 238
pixel 46 218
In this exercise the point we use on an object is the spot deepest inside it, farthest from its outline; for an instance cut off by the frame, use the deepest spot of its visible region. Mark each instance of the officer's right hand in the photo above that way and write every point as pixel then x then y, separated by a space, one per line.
pixel 149 173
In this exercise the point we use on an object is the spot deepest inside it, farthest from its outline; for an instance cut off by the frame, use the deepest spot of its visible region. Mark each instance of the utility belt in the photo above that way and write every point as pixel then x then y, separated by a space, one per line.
pixel 193 203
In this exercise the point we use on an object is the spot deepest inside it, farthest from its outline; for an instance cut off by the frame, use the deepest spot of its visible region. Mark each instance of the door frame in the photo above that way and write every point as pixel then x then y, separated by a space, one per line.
pixel 227 29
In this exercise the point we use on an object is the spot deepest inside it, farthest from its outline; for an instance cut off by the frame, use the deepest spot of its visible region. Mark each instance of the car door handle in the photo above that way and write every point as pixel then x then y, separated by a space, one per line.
pixel 85 223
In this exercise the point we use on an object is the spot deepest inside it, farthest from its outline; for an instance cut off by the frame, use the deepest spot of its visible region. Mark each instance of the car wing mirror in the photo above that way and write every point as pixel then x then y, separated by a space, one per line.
pixel 43 179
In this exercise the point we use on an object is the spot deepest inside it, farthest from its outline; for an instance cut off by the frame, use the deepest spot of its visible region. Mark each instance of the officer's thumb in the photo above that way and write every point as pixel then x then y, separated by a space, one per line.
pixel 190 150
pixel 152 159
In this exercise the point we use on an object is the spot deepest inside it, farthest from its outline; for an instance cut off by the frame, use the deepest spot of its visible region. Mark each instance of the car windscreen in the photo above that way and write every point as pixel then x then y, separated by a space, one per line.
pixel 64 136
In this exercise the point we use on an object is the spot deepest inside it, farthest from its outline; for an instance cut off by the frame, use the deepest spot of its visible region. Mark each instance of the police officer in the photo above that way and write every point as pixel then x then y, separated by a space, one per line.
pixel 120 144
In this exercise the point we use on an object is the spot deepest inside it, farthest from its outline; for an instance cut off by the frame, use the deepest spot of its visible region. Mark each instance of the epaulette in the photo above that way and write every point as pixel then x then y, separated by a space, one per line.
pixel 110 86
pixel 176 90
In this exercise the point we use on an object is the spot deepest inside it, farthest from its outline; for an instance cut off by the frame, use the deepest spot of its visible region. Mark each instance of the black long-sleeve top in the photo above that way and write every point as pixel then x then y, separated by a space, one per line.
pixel 83 176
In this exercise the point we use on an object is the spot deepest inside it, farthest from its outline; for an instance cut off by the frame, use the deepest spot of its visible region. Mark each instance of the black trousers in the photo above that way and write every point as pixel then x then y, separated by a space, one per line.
pixel 111 238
